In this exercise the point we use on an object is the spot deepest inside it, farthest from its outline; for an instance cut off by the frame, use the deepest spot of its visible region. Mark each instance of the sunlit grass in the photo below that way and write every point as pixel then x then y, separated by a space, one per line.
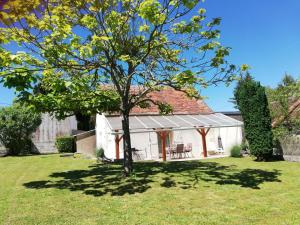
pixel 55 190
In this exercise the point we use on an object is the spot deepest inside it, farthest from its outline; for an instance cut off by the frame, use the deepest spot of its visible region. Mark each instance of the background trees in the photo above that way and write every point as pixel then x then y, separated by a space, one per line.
pixel 252 102
pixel 284 103
pixel 85 55
pixel 17 123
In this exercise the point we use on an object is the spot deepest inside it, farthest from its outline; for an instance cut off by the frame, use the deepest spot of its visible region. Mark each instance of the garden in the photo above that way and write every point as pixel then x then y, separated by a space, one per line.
pixel 49 189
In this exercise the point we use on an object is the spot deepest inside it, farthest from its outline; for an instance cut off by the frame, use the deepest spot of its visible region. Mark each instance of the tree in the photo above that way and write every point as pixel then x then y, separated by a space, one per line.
pixel 85 55
pixel 284 103
pixel 17 123
pixel 253 105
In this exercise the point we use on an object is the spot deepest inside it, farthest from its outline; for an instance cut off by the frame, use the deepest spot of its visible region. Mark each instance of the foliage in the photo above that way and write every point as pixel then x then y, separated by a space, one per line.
pixel 100 153
pixel 84 56
pixel 281 100
pixel 253 105
pixel 65 144
pixel 235 151
pixel 17 123
pixel 244 145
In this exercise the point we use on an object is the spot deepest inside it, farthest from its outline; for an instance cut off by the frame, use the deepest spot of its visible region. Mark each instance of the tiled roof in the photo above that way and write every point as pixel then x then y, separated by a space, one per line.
pixel 180 102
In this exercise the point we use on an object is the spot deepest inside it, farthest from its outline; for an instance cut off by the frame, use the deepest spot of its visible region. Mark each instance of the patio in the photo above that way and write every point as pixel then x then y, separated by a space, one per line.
pixel 218 156
pixel 165 126
pixel 185 154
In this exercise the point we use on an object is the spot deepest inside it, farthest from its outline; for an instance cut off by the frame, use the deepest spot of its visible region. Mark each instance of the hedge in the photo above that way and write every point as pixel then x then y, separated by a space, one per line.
pixel 65 144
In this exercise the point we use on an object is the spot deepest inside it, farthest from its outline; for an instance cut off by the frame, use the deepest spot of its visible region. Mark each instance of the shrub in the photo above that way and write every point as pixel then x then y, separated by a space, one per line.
pixel 17 123
pixel 244 146
pixel 65 144
pixel 235 151
pixel 100 153
pixel 252 102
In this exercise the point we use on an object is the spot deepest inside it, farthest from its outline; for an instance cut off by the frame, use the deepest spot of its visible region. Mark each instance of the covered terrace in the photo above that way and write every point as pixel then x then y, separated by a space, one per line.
pixel 164 124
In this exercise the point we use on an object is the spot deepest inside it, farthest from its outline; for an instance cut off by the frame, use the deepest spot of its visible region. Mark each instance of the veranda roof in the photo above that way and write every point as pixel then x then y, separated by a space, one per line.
pixel 140 124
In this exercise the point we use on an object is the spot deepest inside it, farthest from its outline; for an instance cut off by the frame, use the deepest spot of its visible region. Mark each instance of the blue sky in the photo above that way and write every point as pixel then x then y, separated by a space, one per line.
pixel 264 34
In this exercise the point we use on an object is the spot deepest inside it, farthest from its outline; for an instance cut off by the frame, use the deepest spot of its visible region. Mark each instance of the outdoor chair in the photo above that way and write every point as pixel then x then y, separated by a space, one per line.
pixel 220 145
pixel 171 150
pixel 220 151
pixel 180 150
pixel 188 149
pixel 136 154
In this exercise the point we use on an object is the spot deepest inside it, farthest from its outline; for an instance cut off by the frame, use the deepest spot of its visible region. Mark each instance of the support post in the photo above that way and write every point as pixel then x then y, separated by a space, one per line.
pixel 163 136
pixel 164 154
pixel 203 134
pixel 117 141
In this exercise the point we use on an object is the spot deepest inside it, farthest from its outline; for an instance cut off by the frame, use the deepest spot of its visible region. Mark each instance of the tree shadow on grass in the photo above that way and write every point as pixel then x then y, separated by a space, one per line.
pixel 101 179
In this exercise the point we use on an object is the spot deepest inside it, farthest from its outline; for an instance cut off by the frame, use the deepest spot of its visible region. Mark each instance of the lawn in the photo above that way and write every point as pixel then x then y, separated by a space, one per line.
pixel 55 190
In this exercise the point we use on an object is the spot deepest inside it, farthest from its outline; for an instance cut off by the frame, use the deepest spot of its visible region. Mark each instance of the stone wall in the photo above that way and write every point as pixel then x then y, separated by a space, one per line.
pixel 291 148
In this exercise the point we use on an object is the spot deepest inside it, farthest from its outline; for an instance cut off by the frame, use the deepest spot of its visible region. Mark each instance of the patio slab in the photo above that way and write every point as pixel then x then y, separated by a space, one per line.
pixel 194 158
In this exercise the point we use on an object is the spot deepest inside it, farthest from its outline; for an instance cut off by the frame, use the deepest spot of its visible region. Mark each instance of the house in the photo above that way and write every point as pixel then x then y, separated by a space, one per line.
pixel 234 114
pixel 191 124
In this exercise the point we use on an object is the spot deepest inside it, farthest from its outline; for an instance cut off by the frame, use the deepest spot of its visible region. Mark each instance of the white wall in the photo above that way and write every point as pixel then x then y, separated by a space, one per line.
pixel 230 136
pixel 104 139
pixel 147 143
pixel 189 136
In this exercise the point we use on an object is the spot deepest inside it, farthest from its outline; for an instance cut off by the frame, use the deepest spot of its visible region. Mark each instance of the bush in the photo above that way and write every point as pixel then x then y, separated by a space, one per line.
pixel 245 146
pixel 100 153
pixel 17 123
pixel 65 144
pixel 235 151
pixel 252 102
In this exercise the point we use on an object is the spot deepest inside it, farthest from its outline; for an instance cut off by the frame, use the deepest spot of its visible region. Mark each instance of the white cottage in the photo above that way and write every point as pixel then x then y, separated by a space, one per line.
pixel 193 130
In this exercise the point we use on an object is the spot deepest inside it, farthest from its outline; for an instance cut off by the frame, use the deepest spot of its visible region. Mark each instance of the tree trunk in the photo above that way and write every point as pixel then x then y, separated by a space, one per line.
pixel 127 145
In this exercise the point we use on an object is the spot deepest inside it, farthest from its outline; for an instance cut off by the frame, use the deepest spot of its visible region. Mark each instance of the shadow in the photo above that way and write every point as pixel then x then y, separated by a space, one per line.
pixel 42 155
pixel 248 178
pixel 168 182
pixel 103 179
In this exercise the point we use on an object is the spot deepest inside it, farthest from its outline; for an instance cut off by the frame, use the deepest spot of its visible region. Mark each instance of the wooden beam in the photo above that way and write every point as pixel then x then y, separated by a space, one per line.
pixel 163 135
pixel 164 154
pixel 117 147
pixel 117 141
pixel 203 134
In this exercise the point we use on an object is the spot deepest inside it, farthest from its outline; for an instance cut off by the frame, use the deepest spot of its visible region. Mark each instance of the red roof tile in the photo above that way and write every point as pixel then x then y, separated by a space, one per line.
pixel 178 100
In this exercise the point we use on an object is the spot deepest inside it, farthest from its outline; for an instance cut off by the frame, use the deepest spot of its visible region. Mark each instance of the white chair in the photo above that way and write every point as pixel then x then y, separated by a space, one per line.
pixel 188 149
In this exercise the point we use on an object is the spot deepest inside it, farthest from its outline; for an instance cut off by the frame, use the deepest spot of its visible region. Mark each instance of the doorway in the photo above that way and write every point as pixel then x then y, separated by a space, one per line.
pixel 169 141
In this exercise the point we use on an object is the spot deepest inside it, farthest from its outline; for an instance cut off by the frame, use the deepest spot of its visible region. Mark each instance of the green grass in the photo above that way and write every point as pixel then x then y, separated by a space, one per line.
pixel 55 190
